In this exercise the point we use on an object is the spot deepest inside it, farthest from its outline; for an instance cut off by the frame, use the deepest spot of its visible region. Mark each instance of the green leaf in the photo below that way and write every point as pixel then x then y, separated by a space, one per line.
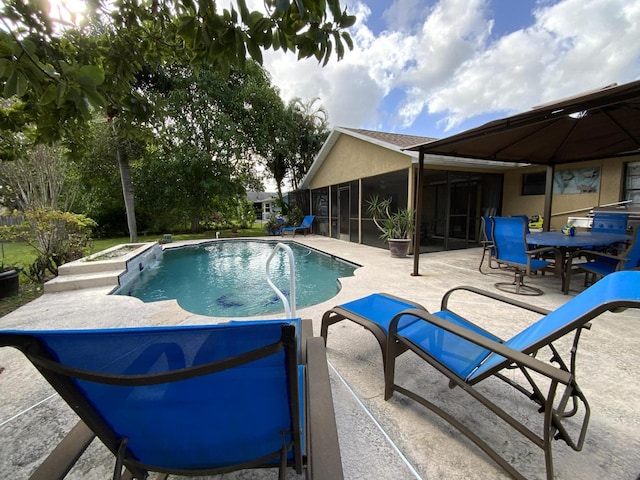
pixel 282 5
pixel 62 92
pixel 348 40
pixel 347 21
pixel 328 53
pixel 187 27
pixel 334 6
pixel 244 11
pixel 234 15
pixel 49 95
pixel 5 66
pixel 21 87
pixel 264 25
pixel 11 87
pixel 276 41
pixel 29 47
pixel 253 19
pixel 241 50
pixel 339 48
pixel 267 39
pixel 94 97
pixel 254 51
pixel 90 75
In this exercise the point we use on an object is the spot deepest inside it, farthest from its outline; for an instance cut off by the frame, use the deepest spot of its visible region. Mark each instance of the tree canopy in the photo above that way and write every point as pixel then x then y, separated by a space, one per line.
pixel 59 70
pixel 60 74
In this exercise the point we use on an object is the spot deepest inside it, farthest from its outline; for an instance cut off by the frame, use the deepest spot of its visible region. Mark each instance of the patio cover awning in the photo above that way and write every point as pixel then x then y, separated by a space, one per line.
pixel 600 124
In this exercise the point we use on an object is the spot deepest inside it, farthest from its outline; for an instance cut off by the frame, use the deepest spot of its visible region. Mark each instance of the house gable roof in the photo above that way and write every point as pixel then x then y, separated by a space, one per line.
pixel 259 197
pixel 393 141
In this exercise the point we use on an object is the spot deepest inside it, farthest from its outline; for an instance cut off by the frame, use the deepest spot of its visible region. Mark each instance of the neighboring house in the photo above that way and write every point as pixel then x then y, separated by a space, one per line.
pixel 355 164
pixel 264 204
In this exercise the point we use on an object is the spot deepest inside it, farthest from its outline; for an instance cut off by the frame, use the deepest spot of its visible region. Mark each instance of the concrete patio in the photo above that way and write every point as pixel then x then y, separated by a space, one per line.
pixel 395 439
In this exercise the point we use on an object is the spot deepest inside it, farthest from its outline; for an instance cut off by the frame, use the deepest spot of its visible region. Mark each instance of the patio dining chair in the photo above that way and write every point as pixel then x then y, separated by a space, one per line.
pixel 609 222
pixel 512 251
pixel 467 354
pixel 191 400
pixel 486 240
pixel 601 263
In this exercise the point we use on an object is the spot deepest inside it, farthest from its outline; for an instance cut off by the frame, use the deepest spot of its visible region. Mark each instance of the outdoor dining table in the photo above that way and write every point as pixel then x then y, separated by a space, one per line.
pixel 568 244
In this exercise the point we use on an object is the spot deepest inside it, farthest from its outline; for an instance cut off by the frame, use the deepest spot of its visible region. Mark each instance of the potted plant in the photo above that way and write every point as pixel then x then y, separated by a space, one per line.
pixel 396 227
pixel 274 225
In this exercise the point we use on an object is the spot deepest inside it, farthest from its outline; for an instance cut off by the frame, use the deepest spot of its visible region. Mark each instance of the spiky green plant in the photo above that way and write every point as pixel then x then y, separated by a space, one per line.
pixel 399 224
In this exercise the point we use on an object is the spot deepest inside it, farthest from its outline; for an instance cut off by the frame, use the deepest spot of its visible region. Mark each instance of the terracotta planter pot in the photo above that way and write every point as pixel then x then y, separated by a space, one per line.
pixel 9 283
pixel 399 247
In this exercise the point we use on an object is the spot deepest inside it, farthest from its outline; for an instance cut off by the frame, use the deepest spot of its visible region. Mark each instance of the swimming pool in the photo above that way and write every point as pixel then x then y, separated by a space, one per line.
pixel 227 278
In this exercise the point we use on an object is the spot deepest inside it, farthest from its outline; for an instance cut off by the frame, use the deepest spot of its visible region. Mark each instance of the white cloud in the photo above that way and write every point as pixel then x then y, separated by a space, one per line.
pixel 573 46
pixel 404 15
pixel 350 90
pixel 443 60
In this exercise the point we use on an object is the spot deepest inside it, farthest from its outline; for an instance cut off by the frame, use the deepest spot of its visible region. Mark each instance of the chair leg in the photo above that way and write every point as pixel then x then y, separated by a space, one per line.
pixel 518 286
pixel 66 454
pixel 484 251
pixel 484 254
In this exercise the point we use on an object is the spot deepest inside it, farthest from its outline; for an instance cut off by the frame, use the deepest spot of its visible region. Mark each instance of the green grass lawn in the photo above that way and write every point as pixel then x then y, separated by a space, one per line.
pixel 22 255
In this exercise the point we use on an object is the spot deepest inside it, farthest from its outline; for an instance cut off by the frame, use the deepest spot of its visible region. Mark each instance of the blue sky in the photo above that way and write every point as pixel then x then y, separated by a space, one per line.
pixel 435 68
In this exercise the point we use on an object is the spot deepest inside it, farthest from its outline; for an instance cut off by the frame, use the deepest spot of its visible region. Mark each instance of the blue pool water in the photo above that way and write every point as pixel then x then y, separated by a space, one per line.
pixel 228 279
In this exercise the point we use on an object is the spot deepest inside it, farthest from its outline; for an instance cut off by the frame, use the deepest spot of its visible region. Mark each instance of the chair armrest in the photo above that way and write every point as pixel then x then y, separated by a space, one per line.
pixel 306 332
pixel 324 450
pixel 535 251
pixel 513 356
pixel 596 254
pixel 493 296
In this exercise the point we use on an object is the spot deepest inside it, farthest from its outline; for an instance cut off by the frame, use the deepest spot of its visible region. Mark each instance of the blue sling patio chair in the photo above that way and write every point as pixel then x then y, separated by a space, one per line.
pixel 512 252
pixel 599 264
pixel 609 222
pixel 191 400
pixel 305 226
pixel 466 354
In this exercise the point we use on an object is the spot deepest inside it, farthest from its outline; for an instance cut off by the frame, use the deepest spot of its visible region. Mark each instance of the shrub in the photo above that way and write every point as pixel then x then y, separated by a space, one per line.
pixel 57 237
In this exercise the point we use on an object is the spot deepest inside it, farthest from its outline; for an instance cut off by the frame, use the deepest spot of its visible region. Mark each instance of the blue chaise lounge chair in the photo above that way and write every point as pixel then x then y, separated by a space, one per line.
pixel 305 226
pixel 191 400
pixel 467 354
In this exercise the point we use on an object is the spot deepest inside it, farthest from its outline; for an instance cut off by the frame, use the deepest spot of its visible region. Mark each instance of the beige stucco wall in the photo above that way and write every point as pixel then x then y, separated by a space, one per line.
pixel 352 158
pixel 610 191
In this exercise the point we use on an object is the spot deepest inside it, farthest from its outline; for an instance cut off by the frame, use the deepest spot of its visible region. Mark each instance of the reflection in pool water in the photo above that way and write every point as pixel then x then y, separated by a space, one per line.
pixel 227 278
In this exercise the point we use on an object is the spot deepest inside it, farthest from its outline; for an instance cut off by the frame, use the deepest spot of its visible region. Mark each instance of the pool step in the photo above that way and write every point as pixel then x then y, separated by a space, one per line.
pixel 94 271
pixel 84 268
pixel 78 281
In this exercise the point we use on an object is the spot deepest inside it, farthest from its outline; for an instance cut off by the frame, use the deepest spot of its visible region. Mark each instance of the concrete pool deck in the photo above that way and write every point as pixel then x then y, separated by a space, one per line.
pixel 395 439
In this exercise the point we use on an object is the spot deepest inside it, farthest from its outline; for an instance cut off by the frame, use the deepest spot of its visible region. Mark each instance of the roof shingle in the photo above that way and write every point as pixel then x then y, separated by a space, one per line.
pixel 397 139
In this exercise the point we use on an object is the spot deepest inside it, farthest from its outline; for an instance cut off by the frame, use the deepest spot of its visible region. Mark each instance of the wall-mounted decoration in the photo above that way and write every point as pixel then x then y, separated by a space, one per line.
pixel 577 180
